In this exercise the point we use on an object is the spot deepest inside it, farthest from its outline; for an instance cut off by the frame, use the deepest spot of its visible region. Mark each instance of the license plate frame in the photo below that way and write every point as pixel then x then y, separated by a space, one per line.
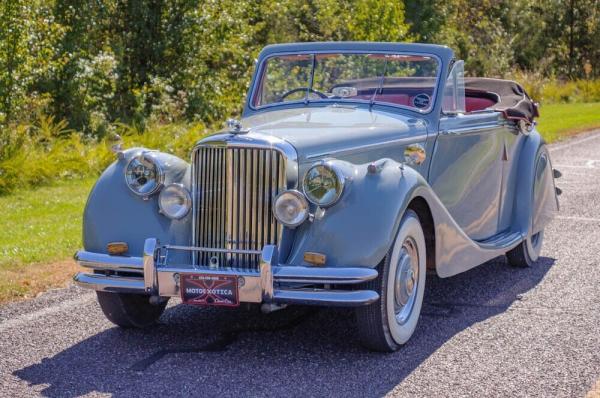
pixel 213 290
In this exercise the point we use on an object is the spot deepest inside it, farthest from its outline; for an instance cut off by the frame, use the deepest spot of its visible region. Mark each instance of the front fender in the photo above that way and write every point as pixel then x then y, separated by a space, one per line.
pixel 114 213
pixel 359 229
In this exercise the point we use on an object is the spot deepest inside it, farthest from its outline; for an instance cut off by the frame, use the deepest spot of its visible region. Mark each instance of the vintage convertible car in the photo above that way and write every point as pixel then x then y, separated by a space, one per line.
pixel 354 170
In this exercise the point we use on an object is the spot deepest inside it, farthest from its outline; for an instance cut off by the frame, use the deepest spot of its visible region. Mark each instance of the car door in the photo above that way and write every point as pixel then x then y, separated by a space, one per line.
pixel 467 164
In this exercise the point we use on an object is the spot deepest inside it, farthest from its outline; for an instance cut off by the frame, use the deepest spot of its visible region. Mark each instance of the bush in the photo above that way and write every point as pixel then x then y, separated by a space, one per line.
pixel 554 91
pixel 38 154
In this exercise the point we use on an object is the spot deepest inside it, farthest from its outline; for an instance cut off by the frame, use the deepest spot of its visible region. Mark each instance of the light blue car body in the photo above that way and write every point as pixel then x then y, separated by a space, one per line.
pixel 483 188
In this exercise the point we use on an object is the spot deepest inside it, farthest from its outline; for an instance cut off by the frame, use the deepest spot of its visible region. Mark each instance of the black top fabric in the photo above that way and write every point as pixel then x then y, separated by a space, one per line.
pixel 511 98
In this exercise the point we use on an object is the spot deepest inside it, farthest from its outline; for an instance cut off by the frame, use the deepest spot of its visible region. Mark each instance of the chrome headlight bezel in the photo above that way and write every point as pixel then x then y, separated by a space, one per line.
pixel 339 189
pixel 132 182
pixel 184 195
pixel 301 200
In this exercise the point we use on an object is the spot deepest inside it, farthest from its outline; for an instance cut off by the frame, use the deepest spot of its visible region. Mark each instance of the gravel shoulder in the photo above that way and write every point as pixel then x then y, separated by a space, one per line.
pixel 493 331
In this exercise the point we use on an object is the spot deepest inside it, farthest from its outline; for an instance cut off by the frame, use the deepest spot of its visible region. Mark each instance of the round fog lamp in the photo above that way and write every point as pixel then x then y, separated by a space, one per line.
pixel 291 208
pixel 175 201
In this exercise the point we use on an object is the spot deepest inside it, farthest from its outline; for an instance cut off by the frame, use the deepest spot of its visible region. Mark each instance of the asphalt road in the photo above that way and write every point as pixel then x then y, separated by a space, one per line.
pixel 493 331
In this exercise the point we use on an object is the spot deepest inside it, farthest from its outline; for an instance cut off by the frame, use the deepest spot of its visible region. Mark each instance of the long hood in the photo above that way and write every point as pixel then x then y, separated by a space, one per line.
pixel 319 131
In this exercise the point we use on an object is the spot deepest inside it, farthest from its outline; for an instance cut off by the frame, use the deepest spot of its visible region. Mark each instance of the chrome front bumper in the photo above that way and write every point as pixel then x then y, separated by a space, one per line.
pixel 273 283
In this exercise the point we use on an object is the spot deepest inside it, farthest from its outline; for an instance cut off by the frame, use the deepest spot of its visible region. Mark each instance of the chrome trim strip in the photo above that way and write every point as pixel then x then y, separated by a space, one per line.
pixel 268 258
pixel 471 130
pixel 150 280
pixel 368 147
pixel 107 262
pixel 211 249
pixel 339 298
pixel 325 275
pixel 113 284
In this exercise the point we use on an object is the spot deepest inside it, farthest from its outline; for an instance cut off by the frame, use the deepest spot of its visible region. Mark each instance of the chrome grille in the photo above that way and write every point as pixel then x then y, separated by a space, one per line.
pixel 234 189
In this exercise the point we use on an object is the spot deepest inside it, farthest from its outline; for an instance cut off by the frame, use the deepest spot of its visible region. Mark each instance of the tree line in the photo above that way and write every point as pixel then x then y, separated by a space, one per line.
pixel 94 63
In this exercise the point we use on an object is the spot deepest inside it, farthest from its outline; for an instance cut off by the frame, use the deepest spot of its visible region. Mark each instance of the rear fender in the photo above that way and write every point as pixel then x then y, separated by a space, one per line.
pixel 536 202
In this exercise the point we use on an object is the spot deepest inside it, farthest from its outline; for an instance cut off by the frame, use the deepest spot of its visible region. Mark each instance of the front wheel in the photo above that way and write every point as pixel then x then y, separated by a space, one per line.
pixel 390 322
pixel 130 310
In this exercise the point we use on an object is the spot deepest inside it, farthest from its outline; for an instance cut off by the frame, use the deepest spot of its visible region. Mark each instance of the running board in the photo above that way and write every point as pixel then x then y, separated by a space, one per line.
pixel 506 240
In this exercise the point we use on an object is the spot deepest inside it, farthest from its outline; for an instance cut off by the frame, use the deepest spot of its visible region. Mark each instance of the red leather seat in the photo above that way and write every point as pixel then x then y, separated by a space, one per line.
pixel 471 103
pixel 477 103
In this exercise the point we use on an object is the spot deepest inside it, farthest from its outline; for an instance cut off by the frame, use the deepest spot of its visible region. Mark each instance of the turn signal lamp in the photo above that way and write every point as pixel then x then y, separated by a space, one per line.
pixel 315 258
pixel 117 248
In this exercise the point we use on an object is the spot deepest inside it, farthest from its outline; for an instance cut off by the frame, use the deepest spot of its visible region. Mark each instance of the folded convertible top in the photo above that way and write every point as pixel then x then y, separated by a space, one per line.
pixel 511 98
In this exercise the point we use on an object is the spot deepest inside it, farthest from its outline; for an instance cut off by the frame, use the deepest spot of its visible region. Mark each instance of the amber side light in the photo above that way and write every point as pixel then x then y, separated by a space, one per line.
pixel 116 248
pixel 315 258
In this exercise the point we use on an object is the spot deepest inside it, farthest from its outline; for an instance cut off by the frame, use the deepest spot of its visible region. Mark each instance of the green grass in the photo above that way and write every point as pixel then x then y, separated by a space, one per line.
pixel 558 121
pixel 43 224
pixel 40 226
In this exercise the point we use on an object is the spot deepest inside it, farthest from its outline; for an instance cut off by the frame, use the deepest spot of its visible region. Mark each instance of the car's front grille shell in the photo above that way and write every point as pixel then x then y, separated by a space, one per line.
pixel 234 189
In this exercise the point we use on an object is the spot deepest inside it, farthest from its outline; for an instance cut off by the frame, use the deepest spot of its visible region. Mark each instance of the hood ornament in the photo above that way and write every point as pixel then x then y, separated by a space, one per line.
pixel 235 127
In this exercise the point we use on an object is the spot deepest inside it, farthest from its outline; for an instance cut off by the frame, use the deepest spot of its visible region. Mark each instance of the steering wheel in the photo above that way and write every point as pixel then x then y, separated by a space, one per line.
pixel 297 89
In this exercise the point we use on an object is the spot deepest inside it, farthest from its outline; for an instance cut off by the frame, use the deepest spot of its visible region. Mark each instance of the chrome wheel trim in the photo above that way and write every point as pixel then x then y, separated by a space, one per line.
pixel 406 282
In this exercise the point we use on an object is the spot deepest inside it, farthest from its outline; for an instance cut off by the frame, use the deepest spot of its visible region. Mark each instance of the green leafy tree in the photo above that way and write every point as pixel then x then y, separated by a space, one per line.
pixel 12 55
pixel 28 35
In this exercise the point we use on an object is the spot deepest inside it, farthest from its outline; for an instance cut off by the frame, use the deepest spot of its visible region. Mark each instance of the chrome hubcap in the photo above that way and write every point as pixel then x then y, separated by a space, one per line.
pixel 406 280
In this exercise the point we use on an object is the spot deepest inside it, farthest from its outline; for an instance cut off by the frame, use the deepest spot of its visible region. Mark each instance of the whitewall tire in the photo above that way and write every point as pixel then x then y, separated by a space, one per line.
pixel 390 322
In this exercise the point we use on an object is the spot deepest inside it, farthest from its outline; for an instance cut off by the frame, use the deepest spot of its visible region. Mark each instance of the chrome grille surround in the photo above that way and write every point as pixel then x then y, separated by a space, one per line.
pixel 235 179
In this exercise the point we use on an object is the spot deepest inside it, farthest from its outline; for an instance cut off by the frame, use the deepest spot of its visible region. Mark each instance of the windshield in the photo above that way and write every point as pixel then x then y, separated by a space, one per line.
pixel 396 79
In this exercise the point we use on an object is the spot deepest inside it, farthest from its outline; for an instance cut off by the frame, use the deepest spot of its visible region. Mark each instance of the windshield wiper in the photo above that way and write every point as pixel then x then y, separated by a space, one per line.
pixel 380 85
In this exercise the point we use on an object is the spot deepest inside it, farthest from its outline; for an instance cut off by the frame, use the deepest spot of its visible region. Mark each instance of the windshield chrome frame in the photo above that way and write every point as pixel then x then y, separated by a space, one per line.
pixel 305 101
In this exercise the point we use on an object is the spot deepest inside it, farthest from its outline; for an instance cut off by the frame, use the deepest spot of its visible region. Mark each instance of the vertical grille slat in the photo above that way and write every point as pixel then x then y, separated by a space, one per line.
pixel 267 195
pixel 260 199
pixel 274 164
pixel 203 205
pixel 234 192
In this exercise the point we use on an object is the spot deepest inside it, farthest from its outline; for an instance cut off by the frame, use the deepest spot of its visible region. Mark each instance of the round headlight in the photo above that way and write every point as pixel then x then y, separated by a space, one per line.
pixel 143 175
pixel 291 208
pixel 323 184
pixel 175 201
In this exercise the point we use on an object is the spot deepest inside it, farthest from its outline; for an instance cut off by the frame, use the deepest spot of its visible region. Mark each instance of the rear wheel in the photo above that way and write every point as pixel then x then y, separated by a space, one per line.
pixel 130 310
pixel 528 251
pixel 390 322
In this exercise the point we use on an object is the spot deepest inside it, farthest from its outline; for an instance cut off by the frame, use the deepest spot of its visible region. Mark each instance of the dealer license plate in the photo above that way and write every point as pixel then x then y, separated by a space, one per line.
pixel 214 290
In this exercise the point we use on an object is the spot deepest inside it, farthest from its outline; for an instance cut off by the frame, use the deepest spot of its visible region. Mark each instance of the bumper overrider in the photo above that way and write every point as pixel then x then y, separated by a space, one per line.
pixel 272 283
